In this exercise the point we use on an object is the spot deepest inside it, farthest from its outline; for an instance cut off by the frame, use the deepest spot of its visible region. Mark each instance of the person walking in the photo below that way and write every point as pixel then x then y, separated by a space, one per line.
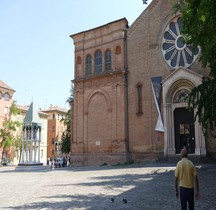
pixel 185 176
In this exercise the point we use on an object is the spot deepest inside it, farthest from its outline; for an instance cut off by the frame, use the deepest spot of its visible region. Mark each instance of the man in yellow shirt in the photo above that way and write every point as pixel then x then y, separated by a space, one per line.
pixel 185 175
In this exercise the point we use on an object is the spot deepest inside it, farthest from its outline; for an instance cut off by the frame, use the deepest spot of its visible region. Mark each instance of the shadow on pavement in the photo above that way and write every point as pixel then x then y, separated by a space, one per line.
pixel 149 191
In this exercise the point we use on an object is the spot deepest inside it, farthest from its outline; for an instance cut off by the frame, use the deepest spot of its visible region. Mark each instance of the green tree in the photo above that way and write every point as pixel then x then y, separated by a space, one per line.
pixel 199 18
pixel 7 133
pixel 18 144
pixel 65 145
pixel 66 136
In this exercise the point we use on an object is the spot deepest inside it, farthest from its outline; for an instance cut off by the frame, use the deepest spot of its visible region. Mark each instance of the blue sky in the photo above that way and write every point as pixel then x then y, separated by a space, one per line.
pixel 36 52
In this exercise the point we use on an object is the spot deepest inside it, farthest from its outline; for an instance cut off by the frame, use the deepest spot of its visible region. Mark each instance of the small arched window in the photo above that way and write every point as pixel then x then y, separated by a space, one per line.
pixel 88 64
pixel 108 60
pixel 79 61
pixel 98 62
pixel 118 50
pixel 6 97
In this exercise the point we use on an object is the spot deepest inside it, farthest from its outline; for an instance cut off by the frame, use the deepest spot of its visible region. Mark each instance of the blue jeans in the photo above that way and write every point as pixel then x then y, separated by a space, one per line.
pixel 187 196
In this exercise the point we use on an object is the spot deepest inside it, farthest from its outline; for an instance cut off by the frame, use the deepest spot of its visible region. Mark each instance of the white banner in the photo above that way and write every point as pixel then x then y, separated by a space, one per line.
pixel 156 88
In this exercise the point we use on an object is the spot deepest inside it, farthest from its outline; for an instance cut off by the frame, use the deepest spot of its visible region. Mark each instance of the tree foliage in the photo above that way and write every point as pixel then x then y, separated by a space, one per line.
pixel 7 132
pixel 65 147
pixel 199 18
pixel 66 136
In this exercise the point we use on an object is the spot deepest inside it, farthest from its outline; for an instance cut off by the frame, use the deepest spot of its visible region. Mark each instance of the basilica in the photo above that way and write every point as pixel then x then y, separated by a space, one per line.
pixel 130 84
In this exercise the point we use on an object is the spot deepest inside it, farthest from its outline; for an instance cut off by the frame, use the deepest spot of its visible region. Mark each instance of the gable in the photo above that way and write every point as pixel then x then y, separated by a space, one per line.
pixel 182 74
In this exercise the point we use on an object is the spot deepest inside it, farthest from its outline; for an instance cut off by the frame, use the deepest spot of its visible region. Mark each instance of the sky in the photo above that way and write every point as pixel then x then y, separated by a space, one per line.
pixel 36 51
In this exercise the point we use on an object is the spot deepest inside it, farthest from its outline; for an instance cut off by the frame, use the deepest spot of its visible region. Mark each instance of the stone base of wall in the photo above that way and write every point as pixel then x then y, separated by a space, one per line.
pixel 210 158
pixel 30 167
pixel 98 159
pixel 145 157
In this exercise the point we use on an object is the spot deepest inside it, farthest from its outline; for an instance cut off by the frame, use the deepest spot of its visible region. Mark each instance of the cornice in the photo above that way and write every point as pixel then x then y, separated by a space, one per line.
pixel 102 75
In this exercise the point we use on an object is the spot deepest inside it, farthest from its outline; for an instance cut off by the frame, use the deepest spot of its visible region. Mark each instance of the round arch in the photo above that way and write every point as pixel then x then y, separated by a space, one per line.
pixel 180 79
pixel 104 93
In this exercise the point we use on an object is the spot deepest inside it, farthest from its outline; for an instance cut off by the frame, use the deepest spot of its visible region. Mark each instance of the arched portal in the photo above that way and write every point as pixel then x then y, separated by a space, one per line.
pixel 180 128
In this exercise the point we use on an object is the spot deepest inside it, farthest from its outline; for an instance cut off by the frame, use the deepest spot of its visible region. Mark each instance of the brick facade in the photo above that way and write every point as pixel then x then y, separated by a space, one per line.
pixel 115 112
pixel 99 99
pixel 6 99
pixel 55 130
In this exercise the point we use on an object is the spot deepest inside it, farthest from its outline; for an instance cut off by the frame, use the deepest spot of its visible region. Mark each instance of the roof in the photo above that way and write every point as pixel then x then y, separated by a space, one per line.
pixel 25 108
pixel 32 115
pixel 146 12
pixel 22 108
pixel 55 109
pixel 5 86
pixel 122 19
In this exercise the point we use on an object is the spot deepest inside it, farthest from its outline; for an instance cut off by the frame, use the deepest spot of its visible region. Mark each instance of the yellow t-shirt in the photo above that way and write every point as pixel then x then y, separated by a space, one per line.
pixel 185 171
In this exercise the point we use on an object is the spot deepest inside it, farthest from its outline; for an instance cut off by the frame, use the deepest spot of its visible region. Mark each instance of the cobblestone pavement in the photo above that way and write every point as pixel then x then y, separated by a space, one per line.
pixel 142 186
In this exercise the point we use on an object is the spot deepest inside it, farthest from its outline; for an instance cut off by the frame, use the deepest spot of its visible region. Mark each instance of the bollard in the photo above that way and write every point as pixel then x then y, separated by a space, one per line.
pixel 53 165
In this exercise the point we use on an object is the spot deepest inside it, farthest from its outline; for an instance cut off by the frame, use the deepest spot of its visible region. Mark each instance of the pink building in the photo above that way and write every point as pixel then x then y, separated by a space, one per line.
pixel 6 99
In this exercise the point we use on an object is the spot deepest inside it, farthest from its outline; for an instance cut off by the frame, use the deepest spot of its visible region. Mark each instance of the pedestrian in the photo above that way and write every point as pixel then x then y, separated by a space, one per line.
pixel 53 164
pixel 185 176
pixel 64 162
pixel 68 161
pixel 48 161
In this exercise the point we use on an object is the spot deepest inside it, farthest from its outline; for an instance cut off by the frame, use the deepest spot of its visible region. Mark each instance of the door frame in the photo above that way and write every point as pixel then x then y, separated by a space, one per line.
pixel 184 136
pixel 169 135
pixel 181 78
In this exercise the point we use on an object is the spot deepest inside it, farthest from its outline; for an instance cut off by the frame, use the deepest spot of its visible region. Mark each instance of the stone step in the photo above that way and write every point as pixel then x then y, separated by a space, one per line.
pixel 174 159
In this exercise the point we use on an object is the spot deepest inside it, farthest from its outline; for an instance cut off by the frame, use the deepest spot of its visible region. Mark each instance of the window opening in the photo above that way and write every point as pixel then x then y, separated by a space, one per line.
pixel 6 97
pixel 98 62
pixel 108 60
pixel 118 50
pixel 88 65
pixel 139 100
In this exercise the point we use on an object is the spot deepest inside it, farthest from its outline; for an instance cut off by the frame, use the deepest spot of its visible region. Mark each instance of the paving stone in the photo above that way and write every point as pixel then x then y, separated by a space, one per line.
pixel 144 186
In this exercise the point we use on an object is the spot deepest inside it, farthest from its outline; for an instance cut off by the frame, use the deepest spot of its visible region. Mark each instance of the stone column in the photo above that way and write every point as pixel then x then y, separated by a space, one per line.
pixel 23 136
pixel 35 150
pixel 200 148
pixel 169 148
pixel 31 139
pixel 39 145
pixel 27 156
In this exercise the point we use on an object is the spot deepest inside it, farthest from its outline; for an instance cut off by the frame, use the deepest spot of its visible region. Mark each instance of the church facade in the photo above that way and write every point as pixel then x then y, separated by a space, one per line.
pixel 129 89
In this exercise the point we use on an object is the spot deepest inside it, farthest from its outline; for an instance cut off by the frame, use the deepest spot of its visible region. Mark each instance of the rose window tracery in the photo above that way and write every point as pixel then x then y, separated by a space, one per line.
pixel 175 52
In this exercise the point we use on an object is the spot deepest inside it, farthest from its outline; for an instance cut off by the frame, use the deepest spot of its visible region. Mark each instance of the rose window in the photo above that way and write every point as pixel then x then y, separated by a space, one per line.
pixel 175 52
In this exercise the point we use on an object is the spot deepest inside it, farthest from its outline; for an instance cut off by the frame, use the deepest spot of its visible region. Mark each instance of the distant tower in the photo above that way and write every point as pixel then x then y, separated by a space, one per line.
pixel 31 138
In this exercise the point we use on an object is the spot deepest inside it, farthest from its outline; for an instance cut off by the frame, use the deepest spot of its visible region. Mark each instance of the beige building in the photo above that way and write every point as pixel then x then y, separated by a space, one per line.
pixel 129 90
pixel 55 130
pixel 12 155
